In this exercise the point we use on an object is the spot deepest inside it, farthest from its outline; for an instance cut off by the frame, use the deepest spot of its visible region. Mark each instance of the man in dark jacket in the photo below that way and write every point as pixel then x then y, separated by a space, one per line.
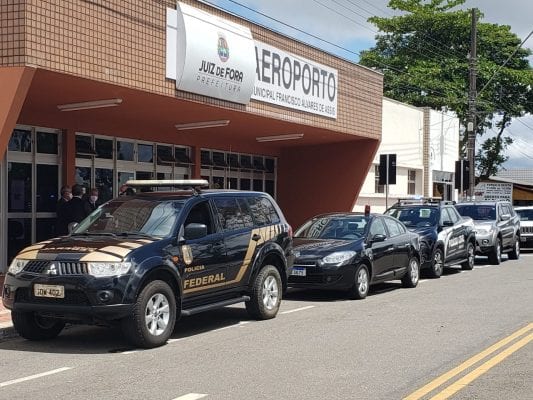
pixel 91 202
pixel 76 206
pixel 62 211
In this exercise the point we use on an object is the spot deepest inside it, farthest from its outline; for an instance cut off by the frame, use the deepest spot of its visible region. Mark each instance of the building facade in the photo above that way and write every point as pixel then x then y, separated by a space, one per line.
pixel 426 144
pixel 100 92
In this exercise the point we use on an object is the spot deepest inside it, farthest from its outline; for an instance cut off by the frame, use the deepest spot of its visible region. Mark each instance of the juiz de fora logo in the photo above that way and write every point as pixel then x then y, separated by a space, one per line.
pixel 223 48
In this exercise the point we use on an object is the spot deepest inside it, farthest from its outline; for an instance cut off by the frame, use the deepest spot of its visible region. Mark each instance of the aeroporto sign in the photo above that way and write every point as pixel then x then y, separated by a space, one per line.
pixel 211 56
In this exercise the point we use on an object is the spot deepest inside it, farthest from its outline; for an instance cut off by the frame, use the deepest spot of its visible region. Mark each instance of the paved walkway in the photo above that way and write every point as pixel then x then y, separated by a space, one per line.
pixel 5 315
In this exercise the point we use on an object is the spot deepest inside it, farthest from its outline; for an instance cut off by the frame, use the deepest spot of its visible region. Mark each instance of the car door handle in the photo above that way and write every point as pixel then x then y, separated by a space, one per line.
pixel 389 249
pixel 256 237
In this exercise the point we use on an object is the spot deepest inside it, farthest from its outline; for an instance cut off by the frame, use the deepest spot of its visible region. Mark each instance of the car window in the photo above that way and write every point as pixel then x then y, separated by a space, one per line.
pixel 393 227
pixel 247 217
pixel 453 214
pixel 229 213
pixel 201 214
pixel 351 227
pixel 445 217
pixel 377 227
pixel 479 212
pixel 415 217
pixel 525 214
pixel 263 212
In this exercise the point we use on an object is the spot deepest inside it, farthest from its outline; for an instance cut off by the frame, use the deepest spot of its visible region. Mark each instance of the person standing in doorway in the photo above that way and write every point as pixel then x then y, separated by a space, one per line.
pixel 76 206
pixel 62 211
pixel 91 202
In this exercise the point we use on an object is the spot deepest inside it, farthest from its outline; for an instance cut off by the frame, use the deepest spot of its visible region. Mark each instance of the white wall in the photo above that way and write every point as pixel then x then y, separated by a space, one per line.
pixel 401 135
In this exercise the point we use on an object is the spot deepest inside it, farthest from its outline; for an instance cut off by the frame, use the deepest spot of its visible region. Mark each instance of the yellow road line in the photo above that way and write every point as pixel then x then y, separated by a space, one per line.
pixel 468 378
pixel 418 394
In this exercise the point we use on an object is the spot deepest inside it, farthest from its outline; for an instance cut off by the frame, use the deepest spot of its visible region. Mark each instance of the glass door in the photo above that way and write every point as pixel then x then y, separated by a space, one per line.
pixel 32 166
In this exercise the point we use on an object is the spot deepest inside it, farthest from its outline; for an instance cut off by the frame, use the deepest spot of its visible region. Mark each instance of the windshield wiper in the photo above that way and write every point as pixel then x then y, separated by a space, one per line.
pixel 93 234
pixel 134 234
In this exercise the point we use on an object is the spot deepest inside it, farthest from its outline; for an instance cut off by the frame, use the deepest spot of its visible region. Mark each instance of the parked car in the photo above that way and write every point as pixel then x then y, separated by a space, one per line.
pixel 526 225
pixel 142 261
pixel 446 238
pixel 497 228
pixel 351 251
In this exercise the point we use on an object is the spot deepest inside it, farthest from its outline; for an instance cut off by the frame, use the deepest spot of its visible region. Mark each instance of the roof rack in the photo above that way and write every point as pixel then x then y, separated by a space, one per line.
pixel 424 200
pixel 190 184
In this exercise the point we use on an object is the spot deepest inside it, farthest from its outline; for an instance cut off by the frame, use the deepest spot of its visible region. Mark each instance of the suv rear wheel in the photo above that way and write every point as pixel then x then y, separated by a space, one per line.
pixel 31 326
pixel 266 294
pixel 153 317
pixel 437 264
pixel 495 256
pixel 470 257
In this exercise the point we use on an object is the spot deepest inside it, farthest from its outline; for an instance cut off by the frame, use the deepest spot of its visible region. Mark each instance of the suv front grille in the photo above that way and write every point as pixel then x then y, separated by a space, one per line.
pixel 61 268
pixel 526 229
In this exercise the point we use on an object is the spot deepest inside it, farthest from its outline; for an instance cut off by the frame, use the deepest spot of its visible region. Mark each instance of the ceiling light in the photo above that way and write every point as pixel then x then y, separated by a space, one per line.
pixel 292 136
pixel 202 124
pixel 88 105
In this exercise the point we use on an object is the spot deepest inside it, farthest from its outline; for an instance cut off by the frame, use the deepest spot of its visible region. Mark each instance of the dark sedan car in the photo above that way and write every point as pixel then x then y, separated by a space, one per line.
pixel 351 251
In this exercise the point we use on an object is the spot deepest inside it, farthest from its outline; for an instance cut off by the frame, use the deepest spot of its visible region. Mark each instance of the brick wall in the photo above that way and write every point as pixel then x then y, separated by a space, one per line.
pixel 123 42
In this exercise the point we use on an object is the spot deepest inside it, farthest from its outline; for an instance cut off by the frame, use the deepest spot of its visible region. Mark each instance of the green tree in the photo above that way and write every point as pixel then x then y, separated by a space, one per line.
pixel 423 53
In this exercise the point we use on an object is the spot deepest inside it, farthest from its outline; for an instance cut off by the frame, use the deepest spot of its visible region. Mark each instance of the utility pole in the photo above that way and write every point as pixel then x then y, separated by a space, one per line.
pixel 472 94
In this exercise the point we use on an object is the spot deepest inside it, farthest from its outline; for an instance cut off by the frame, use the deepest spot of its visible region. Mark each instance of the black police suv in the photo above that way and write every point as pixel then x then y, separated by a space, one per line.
pixel 446 238
pixel 351 251
pixel 143 261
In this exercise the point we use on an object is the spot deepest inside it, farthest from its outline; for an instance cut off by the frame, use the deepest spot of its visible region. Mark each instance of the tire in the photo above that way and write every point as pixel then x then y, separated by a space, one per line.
pixel 515 253
pixel 412 275
pixel 33 327
pixel 153 316
pixel 361 285
pixel 266 293
pixel 437 264
pixel 468 265
pixel 495 256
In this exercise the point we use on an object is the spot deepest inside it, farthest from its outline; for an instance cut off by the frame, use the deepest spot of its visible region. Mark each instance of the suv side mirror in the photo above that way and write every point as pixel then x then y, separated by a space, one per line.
pixel 505 217
pixel 195 231
pixel 378 237
pixel 72 226
pixel 447 223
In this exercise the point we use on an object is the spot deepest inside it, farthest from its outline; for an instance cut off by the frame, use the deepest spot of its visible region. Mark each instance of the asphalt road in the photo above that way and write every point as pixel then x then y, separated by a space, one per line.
pixel 320 346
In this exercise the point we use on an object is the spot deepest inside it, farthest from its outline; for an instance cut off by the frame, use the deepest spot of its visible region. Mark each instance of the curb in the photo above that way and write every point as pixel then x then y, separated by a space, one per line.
pixel 7 332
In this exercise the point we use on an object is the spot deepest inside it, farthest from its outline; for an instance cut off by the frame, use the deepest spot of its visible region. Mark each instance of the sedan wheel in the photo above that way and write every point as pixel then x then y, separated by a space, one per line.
pixel 362 283
pixel 412 275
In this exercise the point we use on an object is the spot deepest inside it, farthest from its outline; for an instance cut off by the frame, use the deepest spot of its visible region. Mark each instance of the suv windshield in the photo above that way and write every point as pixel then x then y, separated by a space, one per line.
pixel 334 227
pixel 415 217
pixel 477 211
pixel 525 215
pixel 132 217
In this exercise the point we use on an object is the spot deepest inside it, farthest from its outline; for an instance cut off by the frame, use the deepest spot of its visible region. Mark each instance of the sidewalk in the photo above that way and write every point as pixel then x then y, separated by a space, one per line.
pixel 6 326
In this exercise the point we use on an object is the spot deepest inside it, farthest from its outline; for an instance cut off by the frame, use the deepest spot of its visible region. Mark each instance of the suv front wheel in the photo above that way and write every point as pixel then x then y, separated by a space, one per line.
pixel 153 316
pixel 515 253
pixel 437 264
pixel 495 256
pixel 265 297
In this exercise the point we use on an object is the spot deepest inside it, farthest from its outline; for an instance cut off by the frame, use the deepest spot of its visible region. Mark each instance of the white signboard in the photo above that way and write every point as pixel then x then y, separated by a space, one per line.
pixel 494 191
pixel 291 81
pixel 209 55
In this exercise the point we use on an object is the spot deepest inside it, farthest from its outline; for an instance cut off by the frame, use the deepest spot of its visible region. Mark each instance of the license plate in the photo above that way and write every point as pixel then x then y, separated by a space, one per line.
pixel 298 271
pixel 54 291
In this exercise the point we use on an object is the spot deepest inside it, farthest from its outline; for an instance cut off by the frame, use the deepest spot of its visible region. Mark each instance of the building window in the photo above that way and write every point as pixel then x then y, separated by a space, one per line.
pixel 378 188
pixel 411 181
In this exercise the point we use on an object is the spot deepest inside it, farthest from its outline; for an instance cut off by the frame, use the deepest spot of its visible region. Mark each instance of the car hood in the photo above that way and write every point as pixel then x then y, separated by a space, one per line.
pixel 484 224
pixel 84 248
pixel 317 248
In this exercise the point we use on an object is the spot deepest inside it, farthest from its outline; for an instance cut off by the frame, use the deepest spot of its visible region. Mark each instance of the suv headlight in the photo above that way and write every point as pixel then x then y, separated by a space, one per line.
pixel 339 258
pixel 108 269
pixel 483 231
pixel 17 265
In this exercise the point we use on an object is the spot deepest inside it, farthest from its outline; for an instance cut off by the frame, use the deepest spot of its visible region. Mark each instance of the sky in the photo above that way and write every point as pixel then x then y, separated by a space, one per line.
pixel 340 27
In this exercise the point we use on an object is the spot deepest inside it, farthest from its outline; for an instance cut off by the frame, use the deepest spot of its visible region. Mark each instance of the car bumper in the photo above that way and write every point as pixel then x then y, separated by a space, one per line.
pixel 82 299
pixel 485 243
pixel 526 240
pixel 320 278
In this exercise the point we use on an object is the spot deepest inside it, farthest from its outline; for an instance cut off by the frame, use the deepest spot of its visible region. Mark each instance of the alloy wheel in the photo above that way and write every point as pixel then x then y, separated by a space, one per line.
pixel 157 314
pixel 270 292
